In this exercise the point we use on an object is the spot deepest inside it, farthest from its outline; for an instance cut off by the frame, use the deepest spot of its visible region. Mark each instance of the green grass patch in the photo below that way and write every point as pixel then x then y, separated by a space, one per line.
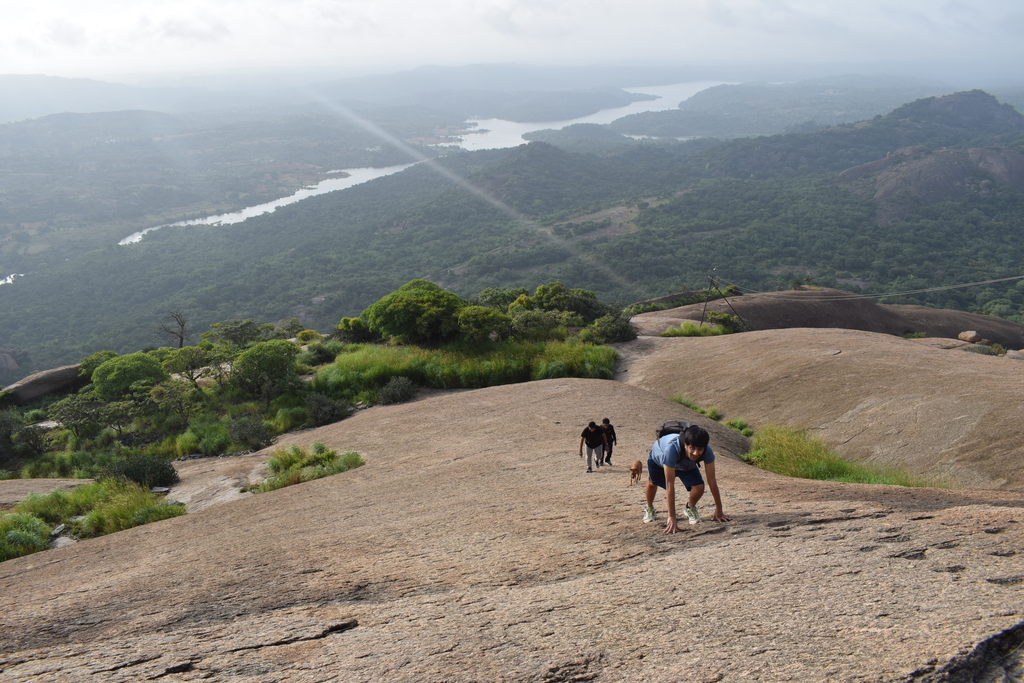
pixel 365 369
pixel 107 506
pixel 795 454
pixel 688 328
pixel 295 465
pixel 714 412
pixel 22 534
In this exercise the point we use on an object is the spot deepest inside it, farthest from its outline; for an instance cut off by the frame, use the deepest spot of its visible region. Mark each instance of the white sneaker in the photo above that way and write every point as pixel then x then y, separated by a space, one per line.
pixel 648 515
pixel 692 515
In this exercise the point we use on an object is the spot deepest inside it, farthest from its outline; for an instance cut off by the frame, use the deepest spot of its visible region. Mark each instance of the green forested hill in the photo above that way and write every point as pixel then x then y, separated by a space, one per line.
pixel 628 225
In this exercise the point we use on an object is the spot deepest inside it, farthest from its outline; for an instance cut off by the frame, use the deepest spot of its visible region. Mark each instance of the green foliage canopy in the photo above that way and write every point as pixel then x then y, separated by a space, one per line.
pixel 266 369
pixel 419 312
pixel 114 377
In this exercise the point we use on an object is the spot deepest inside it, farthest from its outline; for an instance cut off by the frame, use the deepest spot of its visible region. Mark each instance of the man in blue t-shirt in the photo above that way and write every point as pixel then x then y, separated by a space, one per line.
pixel 678 455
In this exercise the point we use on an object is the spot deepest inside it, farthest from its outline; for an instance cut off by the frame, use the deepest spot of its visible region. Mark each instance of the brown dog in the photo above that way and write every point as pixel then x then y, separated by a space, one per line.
pixel 635 470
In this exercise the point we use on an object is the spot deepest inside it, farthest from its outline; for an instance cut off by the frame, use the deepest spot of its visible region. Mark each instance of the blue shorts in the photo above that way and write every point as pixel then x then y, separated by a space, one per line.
pixel 656 473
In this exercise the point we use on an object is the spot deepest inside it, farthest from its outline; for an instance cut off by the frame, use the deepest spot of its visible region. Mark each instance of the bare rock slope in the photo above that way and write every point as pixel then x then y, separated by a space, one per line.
pixel 473 547
pixel 877 398
pixel 834 308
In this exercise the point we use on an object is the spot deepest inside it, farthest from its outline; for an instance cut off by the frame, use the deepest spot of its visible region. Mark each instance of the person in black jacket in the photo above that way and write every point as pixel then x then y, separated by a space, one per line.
pixel 609 440
pixel 596 441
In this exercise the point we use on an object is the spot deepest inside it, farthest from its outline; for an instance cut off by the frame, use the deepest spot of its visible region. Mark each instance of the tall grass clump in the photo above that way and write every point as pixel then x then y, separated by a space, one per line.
pixel 295 465
pixel 107 506
pixel 367 369
pixel 122 504
pixel 22 534
pixel 740 425
pixel 688 328
pixel 795 454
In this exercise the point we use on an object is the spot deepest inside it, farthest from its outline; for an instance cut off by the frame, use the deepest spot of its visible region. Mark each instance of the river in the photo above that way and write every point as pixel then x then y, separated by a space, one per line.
pixel 493 134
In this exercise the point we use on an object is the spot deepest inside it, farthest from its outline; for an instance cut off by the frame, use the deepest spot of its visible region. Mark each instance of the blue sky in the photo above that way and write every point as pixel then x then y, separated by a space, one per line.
pixel 103 38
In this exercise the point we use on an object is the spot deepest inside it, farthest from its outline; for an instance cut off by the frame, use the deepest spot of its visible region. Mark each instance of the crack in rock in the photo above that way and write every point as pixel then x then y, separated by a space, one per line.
pixel 339 627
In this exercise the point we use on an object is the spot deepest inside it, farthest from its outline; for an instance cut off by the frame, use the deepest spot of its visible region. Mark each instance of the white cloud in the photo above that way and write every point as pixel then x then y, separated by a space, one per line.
pixel 70 37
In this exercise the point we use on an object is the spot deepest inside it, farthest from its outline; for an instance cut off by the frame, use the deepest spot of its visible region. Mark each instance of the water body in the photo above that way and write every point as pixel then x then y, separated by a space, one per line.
pixel 494 134
pixel 356 176
pixel 497 133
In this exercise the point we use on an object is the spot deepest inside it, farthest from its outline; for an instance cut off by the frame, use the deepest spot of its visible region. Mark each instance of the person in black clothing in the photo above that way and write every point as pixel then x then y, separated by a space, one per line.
pixel 596 441
pixel 609 440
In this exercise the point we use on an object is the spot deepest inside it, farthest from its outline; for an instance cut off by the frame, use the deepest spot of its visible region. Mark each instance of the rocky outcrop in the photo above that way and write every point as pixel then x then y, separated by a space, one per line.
pixel 475 556
pixel 835 308
pixel 58 380
pixel 934 412
pixel 934 176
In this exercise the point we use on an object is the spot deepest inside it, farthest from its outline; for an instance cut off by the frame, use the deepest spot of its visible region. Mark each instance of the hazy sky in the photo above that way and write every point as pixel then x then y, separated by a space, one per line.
pixel 104 37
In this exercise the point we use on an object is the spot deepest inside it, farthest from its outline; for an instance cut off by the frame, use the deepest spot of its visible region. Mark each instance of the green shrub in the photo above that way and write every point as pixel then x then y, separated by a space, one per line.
pixel 982 350
pixel 915 335
pixel 35 415
pixel 187 443
pixel 795 454
pixel 250 432
pixel 397 390
pixel 609 330
pixel 306 336
pixel 729 323
pixel 480 324
pixel 108 505
pixel 683 400
pixel 122 505
pixel 417 312
pixel 295 465
pixel 266 369
pixel 355 331
pixel 688 328
pixel 713 412
pixel 211 437
pixel 145 470
pixel 77 464
pixel 115 377
pixel 323 409
pixel 316 354
pixel 21 534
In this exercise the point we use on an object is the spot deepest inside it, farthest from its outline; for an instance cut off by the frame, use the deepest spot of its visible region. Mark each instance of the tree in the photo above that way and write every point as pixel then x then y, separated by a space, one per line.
pixel 88 365
pixel 178 397
pixel 266 369
pixel 354 331
pixel 174 327
pixel 292 326
pixel 479 324
pixel 555 297
pixel 419 312
pixel 114 378
pixel 240 333
pixel 191 362
pixel 500 297
pixel 79 413
pixel 10 423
